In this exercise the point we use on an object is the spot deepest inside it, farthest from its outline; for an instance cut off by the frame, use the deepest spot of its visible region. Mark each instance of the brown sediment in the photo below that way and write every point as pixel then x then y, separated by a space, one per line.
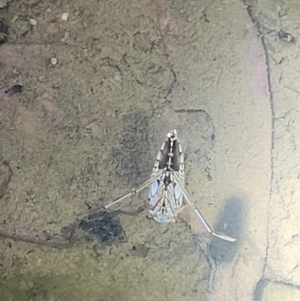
pixel 62 240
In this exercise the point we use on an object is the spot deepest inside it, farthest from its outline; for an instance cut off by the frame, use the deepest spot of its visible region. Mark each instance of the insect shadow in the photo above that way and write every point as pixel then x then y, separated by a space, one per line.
pixel 234 217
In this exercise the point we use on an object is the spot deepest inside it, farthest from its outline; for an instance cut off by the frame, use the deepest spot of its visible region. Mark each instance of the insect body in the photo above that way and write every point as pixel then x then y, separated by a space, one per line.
pixel 165 196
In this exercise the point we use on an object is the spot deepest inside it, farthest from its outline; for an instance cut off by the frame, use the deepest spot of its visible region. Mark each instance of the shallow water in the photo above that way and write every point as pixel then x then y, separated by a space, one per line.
pixel 100 92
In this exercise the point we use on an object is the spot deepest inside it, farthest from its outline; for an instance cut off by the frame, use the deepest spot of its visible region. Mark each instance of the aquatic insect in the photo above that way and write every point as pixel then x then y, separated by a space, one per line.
pixel 167 194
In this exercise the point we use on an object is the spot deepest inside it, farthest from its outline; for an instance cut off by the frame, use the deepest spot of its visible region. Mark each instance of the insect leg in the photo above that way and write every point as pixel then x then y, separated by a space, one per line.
pixel 135 190
pixel 198 213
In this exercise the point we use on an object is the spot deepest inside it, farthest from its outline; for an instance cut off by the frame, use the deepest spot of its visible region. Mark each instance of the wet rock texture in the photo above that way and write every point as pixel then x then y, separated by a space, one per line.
pixel 280 36
pixel 237 195
pixel 276 290
pixel 99 93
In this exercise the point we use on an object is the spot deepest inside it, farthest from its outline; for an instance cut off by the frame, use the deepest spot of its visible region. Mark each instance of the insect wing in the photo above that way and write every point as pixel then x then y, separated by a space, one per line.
pixel 155 189
pixel 163 211
pixel 176 196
